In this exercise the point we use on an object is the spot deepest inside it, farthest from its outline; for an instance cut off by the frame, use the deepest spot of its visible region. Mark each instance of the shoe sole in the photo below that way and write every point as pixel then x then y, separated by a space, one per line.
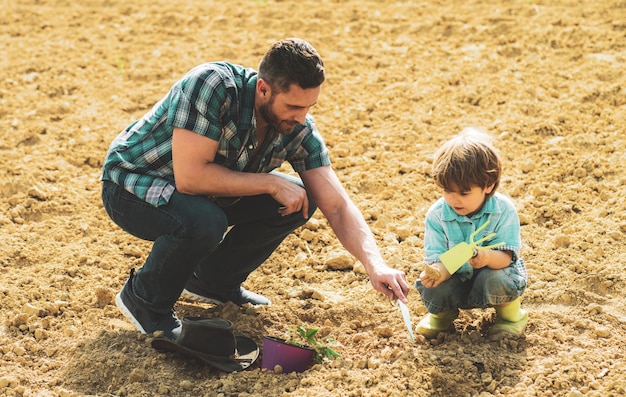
pixel 199 298
pixel 203 299
pixel 120 305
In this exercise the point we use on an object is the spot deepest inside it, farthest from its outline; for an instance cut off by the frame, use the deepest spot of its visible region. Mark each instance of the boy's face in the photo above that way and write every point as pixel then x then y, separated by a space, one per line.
pixel 466 203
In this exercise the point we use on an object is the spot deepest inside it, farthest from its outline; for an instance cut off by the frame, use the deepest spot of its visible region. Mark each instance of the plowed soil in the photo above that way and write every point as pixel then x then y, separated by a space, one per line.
pixel 546 78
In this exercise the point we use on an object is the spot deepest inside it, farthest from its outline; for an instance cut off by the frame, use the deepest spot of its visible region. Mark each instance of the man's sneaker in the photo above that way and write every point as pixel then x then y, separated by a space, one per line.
pixel 197 290
pixel 147 321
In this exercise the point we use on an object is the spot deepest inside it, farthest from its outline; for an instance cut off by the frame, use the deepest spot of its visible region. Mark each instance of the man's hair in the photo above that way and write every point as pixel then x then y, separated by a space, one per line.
pixel 292 61
pixel 469 159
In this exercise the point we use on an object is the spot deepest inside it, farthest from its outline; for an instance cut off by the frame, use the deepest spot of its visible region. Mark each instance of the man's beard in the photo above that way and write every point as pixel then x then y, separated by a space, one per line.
pixel 268 115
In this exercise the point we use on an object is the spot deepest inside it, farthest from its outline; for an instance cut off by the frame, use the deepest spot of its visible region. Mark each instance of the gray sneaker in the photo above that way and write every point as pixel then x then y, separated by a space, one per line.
pixel 196 290
pixel 146 320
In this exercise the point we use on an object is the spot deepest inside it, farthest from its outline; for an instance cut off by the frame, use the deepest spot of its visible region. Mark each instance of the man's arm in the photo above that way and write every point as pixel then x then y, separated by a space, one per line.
pixel 196 173
pixel 352 231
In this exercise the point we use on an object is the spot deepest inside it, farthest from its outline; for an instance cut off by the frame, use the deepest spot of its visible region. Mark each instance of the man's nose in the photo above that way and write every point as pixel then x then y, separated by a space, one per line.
pixel 300 117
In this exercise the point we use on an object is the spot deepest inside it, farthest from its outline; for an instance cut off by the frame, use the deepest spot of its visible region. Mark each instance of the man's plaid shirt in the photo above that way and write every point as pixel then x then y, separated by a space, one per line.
pixel 215 100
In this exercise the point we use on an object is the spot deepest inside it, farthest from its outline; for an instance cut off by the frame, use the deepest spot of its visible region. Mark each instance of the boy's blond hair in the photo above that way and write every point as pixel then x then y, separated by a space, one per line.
pixel 469 159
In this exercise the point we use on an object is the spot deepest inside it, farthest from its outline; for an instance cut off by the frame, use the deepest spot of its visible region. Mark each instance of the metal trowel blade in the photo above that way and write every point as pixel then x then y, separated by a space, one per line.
pixel 407 319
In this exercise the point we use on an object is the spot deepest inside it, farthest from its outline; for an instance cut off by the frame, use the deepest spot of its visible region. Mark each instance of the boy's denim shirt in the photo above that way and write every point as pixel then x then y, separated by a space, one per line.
pixel 445 229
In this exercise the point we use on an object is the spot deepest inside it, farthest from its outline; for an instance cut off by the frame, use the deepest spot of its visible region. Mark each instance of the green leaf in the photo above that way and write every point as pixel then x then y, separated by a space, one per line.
pixel 307 335
pixel 310 332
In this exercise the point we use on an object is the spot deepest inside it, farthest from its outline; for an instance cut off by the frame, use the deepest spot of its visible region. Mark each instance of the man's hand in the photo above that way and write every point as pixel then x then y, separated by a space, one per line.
pixel 292 197
pixel 390 282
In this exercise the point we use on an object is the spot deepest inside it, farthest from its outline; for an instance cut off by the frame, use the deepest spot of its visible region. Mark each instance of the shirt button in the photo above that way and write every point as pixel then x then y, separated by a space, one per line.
pixel 250 147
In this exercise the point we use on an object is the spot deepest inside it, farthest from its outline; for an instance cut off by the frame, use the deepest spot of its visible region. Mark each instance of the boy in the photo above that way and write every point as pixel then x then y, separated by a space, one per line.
pixel 467 168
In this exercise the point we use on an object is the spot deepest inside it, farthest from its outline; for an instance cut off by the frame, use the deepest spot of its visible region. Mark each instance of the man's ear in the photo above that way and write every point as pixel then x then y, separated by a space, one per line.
pixel 263 88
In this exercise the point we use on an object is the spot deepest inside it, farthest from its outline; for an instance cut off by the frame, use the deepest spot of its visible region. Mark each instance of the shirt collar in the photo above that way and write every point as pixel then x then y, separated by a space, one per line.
pixel 489 207
pixel 246 118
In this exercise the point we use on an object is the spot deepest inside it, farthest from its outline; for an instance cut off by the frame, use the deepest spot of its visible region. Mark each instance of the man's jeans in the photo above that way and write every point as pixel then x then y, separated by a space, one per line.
pixel 188 235
pixel 487 287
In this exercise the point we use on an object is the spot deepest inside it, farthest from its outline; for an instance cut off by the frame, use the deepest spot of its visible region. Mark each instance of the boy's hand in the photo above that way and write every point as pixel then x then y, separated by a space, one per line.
pixel 434 274
pixel 480 260
pixel 494 259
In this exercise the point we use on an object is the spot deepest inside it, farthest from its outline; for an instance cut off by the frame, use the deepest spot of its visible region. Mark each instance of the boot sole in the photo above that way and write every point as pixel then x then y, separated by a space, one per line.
pixel 199 298
pixel 192 296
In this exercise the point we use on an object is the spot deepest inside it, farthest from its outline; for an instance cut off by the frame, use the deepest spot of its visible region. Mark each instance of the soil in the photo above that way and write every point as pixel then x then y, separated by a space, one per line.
pixel 545 77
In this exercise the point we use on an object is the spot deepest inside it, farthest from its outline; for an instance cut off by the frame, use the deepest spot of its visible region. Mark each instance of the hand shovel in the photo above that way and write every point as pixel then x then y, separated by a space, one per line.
pixel 407 319
pixel 456 256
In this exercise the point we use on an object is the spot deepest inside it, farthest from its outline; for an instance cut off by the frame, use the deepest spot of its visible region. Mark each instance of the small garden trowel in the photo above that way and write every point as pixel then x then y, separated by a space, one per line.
pixel 456 256
pixel 407 319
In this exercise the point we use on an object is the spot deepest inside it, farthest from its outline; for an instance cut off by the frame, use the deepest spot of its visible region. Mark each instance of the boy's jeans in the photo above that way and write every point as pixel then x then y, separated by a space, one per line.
pixel 188 236
pixel 486 288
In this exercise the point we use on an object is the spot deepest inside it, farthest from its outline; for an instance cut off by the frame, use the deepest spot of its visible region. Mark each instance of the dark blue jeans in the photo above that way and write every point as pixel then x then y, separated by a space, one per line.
pixel 189 235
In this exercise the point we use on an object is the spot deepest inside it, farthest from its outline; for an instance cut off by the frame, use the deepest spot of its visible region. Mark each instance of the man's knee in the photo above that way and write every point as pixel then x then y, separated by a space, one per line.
pixel 200 218
pixel 209 226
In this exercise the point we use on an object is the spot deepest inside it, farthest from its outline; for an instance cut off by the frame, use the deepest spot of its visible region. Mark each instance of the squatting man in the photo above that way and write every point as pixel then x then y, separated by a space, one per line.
pixel 197 176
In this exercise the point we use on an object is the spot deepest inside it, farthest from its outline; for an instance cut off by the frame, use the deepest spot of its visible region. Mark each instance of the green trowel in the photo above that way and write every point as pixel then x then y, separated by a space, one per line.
pixel 456 256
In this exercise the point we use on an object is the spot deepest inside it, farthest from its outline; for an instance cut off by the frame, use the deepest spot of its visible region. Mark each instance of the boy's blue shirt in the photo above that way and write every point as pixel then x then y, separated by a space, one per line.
pixel 445 229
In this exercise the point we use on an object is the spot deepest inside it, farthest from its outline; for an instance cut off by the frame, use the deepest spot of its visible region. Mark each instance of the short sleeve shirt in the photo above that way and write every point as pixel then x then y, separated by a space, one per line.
pixel 215 100
pixel 445 229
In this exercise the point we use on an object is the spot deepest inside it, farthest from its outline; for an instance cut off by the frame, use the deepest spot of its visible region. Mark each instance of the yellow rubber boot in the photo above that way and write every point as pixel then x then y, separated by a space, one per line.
pixel 510 319
pixel 432 324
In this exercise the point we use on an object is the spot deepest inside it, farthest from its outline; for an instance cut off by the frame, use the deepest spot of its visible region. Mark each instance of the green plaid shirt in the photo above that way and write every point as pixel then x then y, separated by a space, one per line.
pixel 215 100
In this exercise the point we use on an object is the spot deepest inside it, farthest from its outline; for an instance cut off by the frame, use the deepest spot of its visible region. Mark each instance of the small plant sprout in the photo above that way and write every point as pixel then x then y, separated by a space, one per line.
pixel 306 336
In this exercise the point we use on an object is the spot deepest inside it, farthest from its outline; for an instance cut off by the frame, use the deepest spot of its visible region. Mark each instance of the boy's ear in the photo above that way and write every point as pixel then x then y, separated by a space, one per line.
pixel 489 188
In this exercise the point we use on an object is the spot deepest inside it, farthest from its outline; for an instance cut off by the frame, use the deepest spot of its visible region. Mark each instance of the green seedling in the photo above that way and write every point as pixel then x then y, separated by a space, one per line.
pixel 307 336
pixel 456 256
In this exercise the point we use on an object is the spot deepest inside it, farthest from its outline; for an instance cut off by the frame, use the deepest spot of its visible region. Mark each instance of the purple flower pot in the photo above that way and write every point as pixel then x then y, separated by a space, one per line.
pixel 277 351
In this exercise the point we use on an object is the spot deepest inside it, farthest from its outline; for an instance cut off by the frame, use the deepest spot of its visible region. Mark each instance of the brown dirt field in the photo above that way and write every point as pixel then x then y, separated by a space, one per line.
pixel 546 77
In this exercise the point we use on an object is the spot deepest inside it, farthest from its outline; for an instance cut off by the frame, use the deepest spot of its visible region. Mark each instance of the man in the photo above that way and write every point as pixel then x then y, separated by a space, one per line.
pixel 202 160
